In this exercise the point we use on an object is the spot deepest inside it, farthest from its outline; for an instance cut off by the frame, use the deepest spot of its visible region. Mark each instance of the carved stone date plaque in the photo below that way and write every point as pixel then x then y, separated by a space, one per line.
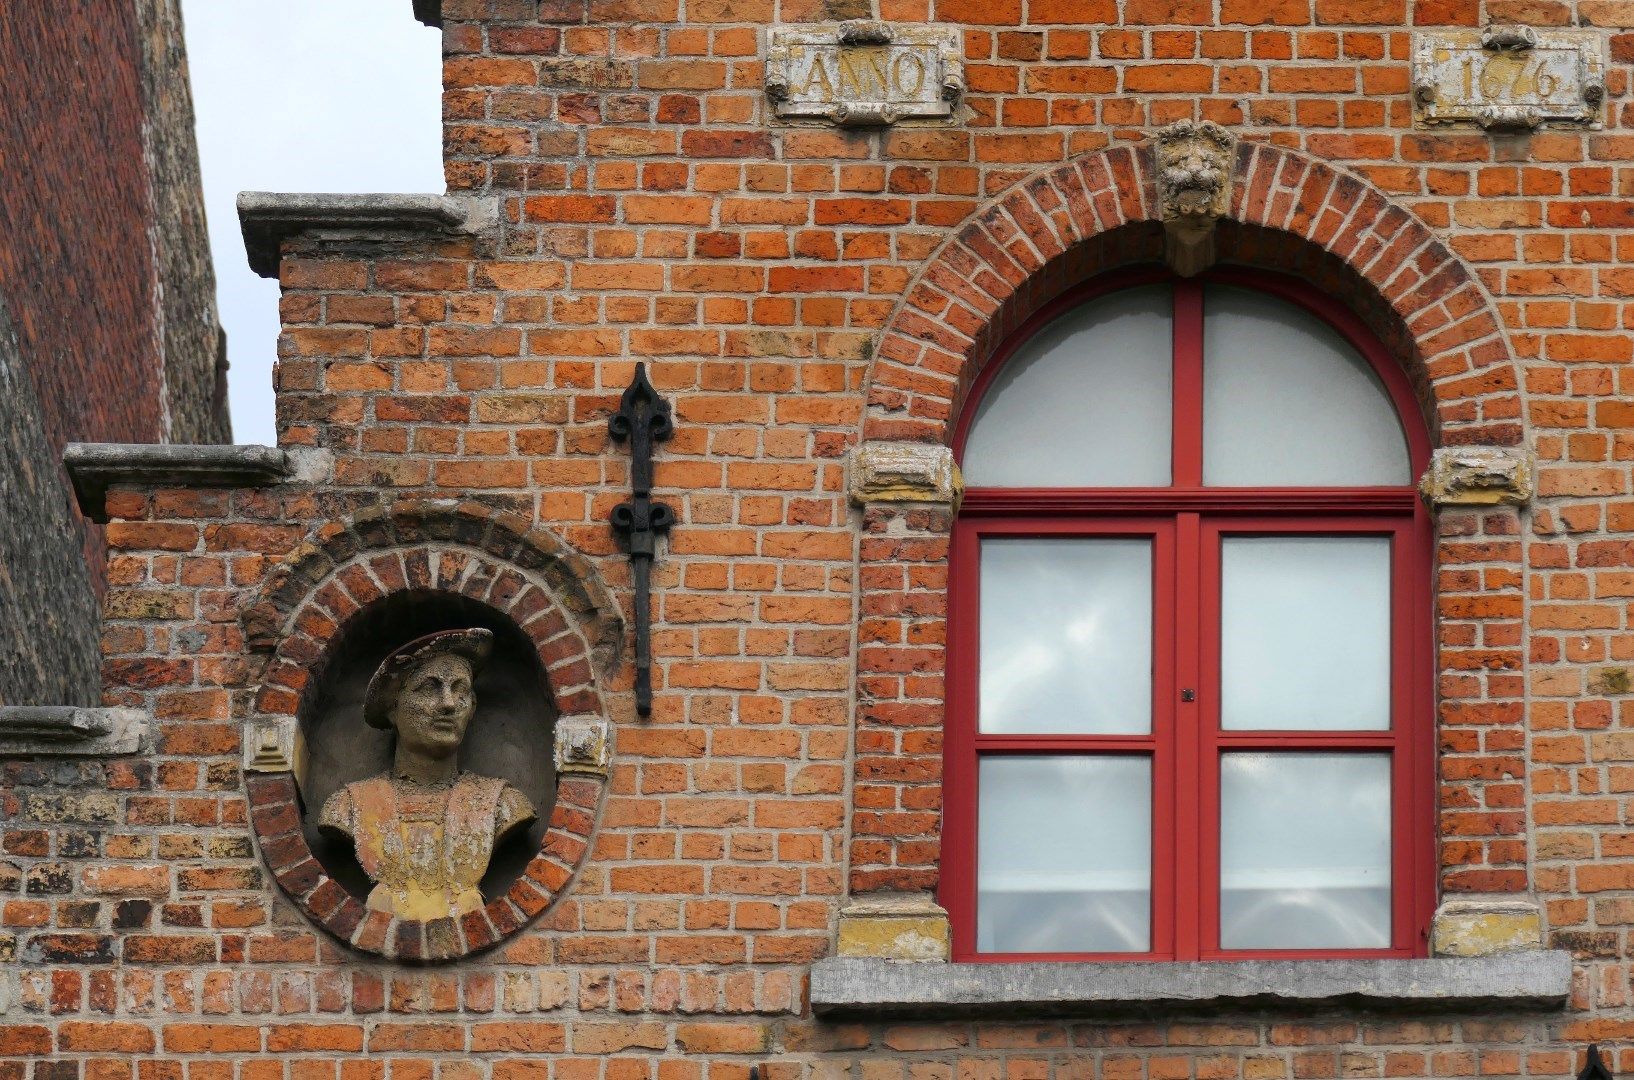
pixel 1509 77
pixel 864 73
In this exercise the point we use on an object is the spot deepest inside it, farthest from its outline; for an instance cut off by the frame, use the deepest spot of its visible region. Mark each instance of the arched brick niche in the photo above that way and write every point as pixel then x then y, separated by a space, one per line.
pixel 1288 212
pixel 360 587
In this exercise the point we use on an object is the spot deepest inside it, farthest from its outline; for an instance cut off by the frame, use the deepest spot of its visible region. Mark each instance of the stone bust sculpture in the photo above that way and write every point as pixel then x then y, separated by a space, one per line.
pixel 424 831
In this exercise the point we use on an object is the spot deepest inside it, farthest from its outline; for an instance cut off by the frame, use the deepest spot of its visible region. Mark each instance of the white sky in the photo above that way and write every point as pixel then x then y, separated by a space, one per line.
pixel 302 95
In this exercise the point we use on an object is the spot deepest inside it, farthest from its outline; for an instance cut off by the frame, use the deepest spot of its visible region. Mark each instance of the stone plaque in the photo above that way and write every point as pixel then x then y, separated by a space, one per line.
pixel 1509 77
pixel 864 73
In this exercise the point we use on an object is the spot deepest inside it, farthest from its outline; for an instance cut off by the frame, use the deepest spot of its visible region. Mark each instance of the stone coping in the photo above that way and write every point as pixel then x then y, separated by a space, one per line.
pixel 96 467
pixel 268 218
pixel 843 986
pixel 71 731
pixel 429 12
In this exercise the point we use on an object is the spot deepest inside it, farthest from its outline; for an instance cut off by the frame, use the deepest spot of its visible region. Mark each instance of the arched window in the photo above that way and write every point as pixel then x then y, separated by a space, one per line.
pixel 1190 674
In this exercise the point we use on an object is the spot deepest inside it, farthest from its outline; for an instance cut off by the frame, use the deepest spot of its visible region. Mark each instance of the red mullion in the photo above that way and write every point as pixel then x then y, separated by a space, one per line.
pixel 1187 447
pixel 965 746
pixel 1189 762
pixel 1406 805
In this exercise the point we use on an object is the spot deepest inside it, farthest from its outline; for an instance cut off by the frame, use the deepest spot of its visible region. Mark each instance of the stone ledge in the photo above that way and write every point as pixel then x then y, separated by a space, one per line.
pixel 843 986
pixel 269 218
pixel 70 731
pixel 95 467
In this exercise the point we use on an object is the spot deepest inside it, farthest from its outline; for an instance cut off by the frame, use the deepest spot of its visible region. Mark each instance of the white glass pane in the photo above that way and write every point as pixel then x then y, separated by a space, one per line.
pixel 1065 855
pixel 1066 636
pixel 1084 403
pixel 1287 401
pixel 1305 633
pixel 1305 851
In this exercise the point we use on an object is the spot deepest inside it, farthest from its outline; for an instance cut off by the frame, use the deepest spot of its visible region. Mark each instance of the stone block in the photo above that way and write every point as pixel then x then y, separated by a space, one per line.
pixel 581 746
pixel 1485 927
pixel 875 988
pixel 904 472
pixel 1478 476
pixel 895 928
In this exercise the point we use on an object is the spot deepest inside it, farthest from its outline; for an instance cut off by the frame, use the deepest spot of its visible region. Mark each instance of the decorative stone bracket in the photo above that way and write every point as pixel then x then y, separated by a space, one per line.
pixel 69 731
pixel 582 747
pixel 904 472
pixel 1194 165
pixel 1478 476
pixel 864 73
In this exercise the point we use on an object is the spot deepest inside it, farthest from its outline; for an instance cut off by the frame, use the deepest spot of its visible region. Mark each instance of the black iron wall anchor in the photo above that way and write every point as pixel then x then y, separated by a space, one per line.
pixel 1594 1066
pixel 643 418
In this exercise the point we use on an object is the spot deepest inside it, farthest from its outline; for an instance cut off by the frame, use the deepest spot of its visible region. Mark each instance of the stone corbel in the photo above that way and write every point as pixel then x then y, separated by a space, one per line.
pixel 895 927
pixel 268 218
pixel 69 731
pixel 270 745
pixel 904 472
pixel 1485 927
pixel 1195 160
pixel 582 747
pixel 1478 476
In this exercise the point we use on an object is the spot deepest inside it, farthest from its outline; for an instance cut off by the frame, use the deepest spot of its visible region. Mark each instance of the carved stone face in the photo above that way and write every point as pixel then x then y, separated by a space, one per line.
pixel 435 705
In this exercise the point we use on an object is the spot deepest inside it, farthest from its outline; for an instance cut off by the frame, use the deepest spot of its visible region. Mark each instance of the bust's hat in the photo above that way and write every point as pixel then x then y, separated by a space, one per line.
pixel 474 645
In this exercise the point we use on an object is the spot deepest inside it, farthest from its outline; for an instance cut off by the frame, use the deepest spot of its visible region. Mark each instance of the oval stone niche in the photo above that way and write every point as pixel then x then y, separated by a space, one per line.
pixel 510 734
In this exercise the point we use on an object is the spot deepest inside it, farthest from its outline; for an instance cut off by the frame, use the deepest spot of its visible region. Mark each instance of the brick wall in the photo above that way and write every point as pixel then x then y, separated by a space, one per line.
pixel 104 268
pixel 797 291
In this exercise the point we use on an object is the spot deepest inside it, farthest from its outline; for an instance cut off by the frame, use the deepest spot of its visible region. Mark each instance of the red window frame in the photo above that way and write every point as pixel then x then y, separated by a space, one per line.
pixel 1185 521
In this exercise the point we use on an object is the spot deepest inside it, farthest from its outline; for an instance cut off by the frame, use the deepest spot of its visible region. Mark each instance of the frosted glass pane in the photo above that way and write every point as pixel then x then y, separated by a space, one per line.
pixel 1287 401
pixel 1064 857
pixel 1084 403
pixel 1305 633
pixel 1066 632
pixel 1305 851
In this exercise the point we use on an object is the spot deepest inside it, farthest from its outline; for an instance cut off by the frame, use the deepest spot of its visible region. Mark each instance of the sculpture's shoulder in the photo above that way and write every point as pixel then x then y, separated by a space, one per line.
pixel 336 814
pixel 339 811
pixel 512 810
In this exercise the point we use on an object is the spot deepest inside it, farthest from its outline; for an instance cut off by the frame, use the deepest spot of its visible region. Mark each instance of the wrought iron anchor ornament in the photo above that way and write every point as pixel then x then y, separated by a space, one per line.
pixel 643 419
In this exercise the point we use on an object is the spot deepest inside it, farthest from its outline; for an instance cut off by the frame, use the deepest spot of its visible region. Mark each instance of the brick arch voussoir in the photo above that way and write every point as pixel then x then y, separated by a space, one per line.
pixel 1036 238
pixel 445 566
pixel 566 577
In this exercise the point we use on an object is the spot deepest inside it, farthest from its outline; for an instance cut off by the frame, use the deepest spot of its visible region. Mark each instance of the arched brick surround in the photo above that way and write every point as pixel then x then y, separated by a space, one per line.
pixel 1289 212
pixel 524 573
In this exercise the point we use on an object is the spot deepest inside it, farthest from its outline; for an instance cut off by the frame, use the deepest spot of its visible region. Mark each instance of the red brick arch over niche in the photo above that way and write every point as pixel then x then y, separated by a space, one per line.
pixel 526 574
pixel 1288 212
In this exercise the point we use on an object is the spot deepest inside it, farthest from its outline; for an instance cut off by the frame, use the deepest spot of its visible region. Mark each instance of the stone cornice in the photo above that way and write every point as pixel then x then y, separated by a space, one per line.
pixel 96 467
pixel 269 218
pixel 70 731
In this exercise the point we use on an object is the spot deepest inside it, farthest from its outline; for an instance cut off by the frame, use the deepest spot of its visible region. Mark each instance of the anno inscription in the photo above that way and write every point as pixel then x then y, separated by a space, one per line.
pixel 1509 77
pixel 864 73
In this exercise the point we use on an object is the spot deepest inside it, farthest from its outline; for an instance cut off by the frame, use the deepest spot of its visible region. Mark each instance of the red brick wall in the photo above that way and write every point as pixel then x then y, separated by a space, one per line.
pixel 797 291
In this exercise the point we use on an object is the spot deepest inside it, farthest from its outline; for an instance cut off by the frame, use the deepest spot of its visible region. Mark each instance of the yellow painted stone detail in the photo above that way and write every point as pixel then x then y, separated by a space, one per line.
pixel 895 930
pixel 1464 928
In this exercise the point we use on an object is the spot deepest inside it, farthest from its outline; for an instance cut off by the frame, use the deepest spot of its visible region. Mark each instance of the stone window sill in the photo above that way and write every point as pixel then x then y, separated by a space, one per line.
pixel 845 986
